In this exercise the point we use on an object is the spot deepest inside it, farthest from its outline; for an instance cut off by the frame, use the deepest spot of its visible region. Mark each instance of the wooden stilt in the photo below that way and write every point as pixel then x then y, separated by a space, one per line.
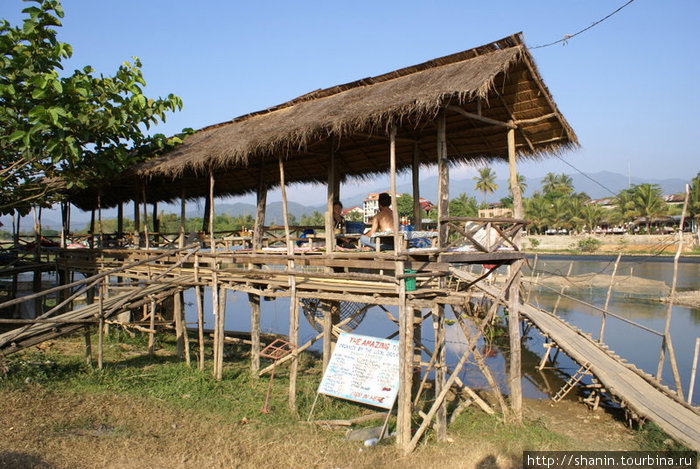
pixel 145 217
pixel 403 418
pixel 179 324
pixel 398 245
pixel 183 218
pixel 137 219
pixel 327 332
pixel 217 331
pixel 152 325
pixel 330 198
pixel 200 313
pixel 515 384
pixel 88 345
pixel 601 335
pixel 120 219
pixel 212 235
pixel 101 324
pixel 440 369
pixel 254 302
pixel 443 179
pixel 222 330
pixel 415 173
pixel 293 306
pixel 260 211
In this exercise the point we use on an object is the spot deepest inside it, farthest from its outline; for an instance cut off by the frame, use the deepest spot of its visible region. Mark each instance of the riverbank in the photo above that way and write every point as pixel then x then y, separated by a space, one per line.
pixel 154 411
pixel 613 244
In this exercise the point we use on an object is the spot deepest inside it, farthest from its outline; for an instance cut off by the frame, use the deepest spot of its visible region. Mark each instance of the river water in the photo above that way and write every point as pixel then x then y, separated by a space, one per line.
pixel 632 343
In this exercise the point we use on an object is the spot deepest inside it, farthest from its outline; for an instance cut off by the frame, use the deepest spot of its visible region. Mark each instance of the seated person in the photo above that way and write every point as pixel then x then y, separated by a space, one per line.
pixel 382 221
pixel 339 225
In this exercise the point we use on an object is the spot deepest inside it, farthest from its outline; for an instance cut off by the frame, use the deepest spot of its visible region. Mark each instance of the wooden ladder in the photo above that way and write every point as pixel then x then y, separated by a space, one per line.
pixel 572 382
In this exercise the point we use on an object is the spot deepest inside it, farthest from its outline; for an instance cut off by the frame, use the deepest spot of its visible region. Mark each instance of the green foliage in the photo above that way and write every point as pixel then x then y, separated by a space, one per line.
pixel 315 219
pixel 557 185
pixel 534 242
pixel 589 244
pixel 485 182
pixel 78 127
pixel 694 198
pixel 404 203
pixel 463 206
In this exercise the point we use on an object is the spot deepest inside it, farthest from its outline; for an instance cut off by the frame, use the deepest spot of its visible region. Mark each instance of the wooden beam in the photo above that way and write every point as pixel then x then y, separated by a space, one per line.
pixel 535 120
pixel 443 179
pixel 330 196
pixel 394 205
pixel 415 172
pixel 211 210
pixel 487 120
pixel 181 240
pixel 260 210
pixel 513 172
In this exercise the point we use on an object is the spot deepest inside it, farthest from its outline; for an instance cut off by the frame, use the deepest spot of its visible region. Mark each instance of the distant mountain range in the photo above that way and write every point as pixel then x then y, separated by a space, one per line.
pixel 596 185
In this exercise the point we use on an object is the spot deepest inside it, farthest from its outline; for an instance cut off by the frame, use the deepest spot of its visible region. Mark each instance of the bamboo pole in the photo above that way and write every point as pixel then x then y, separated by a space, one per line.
pixel 667 343
pixel 152 325
pixel 532 284
pixel 293 308
pixel 145 216
pixel 254 302
pixel 100 231
pixel 88 345
pixel 443 179
pixel 137 219
pixel 395 208
pixel 211 210
pixel 330 198
pixel 513 173
pixel 415 175
pixel 515 366
pixel 217 330
pixel 691 386
pixel 327 332
pixel 120 219
pixel 403 418
pixel 260 210
pixel 101 324
pixel 563 287
pixel 440 369
pixel 607 299
pixel 183 217
pixel 200 313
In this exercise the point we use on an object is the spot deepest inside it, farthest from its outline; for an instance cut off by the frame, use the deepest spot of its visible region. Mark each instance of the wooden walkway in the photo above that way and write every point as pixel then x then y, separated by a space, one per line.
pixel 65 323
pixel 637 390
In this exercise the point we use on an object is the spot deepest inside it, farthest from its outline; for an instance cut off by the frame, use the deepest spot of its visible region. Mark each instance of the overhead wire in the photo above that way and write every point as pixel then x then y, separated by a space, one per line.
pixel 567 37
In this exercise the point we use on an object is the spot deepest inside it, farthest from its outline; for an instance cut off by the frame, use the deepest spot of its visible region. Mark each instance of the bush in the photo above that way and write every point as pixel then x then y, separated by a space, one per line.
pixel 534 242
pixel 589 244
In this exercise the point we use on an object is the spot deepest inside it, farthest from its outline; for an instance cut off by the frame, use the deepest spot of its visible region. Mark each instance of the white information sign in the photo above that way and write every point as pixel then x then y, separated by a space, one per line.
pixel 363 369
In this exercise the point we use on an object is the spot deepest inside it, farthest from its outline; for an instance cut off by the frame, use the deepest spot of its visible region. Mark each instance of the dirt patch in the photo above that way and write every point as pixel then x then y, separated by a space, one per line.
pixel 622 284
pixel 685 298
pixel 89 431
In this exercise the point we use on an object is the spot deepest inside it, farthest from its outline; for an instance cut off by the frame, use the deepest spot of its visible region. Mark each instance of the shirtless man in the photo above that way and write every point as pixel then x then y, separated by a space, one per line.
pixel 382 221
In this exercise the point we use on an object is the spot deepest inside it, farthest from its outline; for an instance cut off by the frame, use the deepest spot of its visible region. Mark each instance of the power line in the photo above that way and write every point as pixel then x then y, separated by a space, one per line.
pixel 586 175
pixel 569 36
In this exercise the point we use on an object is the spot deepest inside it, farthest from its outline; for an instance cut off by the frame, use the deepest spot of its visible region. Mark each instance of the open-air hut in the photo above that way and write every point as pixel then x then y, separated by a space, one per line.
pixel 481 105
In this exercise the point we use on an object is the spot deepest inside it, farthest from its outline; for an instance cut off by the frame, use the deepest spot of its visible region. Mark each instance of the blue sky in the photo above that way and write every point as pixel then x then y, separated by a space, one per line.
pixel 628 86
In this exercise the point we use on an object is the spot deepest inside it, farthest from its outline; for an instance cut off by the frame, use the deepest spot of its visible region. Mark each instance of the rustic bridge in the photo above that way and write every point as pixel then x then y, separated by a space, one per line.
pixel 635 389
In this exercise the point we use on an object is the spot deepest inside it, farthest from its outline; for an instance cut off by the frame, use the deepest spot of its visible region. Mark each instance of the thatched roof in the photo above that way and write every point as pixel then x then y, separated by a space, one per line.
pixel 499 78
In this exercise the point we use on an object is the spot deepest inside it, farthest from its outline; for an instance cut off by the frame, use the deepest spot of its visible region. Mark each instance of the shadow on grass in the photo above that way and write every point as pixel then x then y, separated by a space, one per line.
pixel 17 460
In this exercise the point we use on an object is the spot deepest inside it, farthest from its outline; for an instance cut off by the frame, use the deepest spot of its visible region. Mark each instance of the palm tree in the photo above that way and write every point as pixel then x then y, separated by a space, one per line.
pixel 565 185
pixel 592 215
pixel 522 184
pixel 574 209
pixel 558 213
pixel 549 183
pixel 647 202
pixel 463 206
pixel 486 182
pixel 536 210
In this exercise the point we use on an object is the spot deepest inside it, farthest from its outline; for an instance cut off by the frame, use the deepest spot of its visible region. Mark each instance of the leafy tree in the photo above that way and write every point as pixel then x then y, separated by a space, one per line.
pixel 537 211
pixel 522 183
pixel 71 130
pixel 486 182
pixel 557 185
pixel 592 215
pixel 463 206
pixel 315 219
pixel 624 207
pixel 647 202
pixel 404 203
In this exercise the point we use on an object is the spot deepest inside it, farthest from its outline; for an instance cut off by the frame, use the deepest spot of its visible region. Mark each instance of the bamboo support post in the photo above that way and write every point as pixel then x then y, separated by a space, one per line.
pixel 563 287
pixel 415 177
pixel 88 345
pixel 152 325
pixel 403 420
pixel 254 302
pixel 667 343
pixel 443 179
pixel 601 335
pixel 217 325
pixel 694 369
pixel 398 245
pixel 440 369
pixel 101 324
pixel 327 332
pixel 515 384
pixel 200 313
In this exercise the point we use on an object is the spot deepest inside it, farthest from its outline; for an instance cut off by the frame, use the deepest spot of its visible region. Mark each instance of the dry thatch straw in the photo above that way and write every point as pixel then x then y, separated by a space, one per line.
pixel 498 81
